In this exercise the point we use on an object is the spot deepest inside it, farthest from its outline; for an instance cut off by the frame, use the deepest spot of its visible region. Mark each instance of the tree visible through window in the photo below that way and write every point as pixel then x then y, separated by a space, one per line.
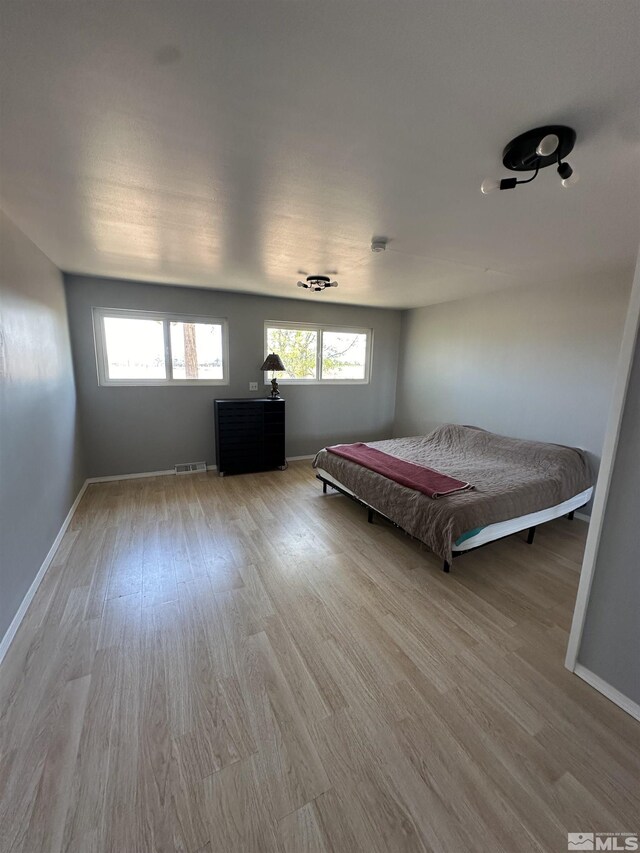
pixel 298 349
pixel 320 354
pixel 190 350
pixel 196 350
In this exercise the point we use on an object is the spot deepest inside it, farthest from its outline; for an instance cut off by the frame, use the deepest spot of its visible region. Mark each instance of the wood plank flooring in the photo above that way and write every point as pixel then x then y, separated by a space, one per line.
pixel 243 664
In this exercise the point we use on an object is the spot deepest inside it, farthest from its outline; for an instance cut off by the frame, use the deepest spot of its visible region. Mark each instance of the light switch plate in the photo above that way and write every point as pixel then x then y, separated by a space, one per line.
pixel 253 386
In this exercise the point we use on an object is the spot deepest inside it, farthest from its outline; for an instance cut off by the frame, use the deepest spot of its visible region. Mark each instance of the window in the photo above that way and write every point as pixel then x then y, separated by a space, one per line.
pixel 313 354
pixel 146 348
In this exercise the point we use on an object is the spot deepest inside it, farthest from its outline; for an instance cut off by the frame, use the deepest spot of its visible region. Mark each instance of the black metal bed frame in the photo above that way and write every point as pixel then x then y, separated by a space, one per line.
pixel 371 513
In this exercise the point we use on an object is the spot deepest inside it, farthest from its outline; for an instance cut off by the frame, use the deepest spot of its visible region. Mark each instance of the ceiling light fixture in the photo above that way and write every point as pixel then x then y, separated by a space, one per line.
pixel 569 176
pixel 317 282
pixel 534 150
pixel 548 145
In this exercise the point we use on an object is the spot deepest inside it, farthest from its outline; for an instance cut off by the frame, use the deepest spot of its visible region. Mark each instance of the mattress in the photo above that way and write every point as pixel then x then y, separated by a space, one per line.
pixel 482 535
pixel 511 478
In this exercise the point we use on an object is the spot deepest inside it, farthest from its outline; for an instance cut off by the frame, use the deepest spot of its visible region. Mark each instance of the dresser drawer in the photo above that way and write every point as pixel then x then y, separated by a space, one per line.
pixel 249 435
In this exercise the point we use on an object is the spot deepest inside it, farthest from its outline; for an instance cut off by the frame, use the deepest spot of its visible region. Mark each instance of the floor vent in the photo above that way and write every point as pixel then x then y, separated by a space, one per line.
pixel 191 468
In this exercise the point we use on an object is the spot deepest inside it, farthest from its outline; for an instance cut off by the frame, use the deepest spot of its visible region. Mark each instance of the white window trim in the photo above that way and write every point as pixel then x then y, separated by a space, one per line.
pixel 320 328
pixel 99 315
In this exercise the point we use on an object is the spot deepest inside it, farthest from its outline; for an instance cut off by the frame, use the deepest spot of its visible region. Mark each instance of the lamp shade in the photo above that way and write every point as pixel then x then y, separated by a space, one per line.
pixel 273 362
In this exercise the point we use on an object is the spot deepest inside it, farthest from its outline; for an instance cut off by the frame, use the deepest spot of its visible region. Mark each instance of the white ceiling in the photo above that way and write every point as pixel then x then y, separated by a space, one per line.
pixel 232 144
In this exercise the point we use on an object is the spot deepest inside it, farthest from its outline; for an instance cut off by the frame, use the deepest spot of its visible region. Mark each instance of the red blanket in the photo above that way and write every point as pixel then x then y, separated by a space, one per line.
pixel 418 477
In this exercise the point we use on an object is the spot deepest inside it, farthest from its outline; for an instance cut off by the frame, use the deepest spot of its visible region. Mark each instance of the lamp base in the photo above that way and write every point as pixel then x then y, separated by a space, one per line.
pixel 275 394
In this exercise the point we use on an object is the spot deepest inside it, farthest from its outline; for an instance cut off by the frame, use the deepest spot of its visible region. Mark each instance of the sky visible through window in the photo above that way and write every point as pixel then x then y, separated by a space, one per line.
pixel 135 349
pixel 344 355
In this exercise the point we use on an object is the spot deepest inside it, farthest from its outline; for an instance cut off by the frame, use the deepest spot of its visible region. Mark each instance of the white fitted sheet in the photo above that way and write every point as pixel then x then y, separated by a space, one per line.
pixel 524 522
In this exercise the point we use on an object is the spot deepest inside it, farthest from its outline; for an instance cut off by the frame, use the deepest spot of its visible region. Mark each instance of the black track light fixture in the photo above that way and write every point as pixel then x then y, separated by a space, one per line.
pixel 534 150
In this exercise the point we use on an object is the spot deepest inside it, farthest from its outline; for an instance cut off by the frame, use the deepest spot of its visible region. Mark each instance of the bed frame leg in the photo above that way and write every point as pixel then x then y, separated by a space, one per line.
pixel 570 516
pixel 369 515
pixel 446 567
pixel 324 487
pixel 532 533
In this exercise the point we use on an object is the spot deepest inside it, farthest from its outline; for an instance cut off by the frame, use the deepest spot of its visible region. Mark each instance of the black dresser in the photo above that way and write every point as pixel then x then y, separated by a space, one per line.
pixel 249 435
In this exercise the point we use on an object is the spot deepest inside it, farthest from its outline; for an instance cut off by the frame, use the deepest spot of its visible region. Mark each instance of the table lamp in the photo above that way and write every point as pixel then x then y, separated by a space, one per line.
pixel 273 362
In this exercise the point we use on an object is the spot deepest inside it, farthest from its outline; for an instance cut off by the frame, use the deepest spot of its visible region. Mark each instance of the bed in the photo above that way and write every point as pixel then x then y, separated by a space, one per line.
pixel 516 485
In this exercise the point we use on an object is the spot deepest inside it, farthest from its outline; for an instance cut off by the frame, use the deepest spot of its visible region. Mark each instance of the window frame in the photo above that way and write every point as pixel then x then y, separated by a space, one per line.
pixel 320 328
pixel 166 318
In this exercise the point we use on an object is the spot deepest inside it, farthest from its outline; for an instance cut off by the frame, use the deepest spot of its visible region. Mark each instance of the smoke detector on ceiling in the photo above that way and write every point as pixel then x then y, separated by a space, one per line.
pixel 378 244
pixel 317 282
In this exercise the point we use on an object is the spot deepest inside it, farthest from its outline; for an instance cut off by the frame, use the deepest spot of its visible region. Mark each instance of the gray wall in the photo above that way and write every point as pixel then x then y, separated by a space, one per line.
pixel 137 429
pixel 610 645
pixel 41 468
pixel 535 363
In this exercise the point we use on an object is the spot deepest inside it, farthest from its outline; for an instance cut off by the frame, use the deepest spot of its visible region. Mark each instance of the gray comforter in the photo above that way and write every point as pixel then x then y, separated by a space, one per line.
pixel 511 477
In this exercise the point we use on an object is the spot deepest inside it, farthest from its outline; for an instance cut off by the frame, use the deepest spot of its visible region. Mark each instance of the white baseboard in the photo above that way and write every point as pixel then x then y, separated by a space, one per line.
pixel 26 601
pixel 169 472
pixel 607 690
pixel 115 477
